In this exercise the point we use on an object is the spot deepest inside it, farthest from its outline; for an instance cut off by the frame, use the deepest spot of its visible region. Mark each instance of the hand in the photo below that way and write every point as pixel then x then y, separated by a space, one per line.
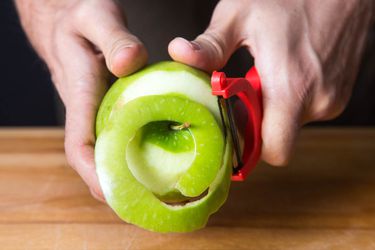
pixel 77 39
pixel 307 53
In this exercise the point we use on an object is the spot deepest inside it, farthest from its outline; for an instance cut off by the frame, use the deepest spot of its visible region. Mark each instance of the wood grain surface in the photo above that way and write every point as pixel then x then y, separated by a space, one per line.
pixel 325 199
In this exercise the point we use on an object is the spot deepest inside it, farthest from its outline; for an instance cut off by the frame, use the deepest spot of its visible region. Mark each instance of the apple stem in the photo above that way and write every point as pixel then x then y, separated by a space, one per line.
pixel 181 126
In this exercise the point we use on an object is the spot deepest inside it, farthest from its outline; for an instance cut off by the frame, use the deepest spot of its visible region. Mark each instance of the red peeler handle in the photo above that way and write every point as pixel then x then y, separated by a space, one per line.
pixel 248 90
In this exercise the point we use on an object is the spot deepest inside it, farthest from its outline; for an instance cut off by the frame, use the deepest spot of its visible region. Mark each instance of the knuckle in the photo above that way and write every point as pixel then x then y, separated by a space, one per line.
pixel 279 136
pixel 80 13
pixel 281 161
pixel 329 104
pixel 85 13
pixel 277 147
pixel 216 42
pixel 276 159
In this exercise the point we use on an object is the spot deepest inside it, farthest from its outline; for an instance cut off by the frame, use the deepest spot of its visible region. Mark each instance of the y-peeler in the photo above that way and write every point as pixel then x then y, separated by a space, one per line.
pixel 248 93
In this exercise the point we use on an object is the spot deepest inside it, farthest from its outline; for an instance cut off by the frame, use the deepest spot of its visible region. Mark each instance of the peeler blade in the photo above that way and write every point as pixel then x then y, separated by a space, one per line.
pixel 226 107
pixel 240 102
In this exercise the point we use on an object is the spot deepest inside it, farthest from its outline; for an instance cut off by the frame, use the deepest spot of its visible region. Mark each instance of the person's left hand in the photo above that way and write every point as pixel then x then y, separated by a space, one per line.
pixel 81 42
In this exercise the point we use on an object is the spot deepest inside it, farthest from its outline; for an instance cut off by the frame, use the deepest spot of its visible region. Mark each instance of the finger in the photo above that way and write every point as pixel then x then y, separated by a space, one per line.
pixel 280 127
pixel 283 111
pixel 210 50
pixel 82 90
pixel 124 53
pixel 97 196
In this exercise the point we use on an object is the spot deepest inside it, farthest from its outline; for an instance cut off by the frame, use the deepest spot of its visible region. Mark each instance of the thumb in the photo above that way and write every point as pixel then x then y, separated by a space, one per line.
pixel 209 51
pixel 124 53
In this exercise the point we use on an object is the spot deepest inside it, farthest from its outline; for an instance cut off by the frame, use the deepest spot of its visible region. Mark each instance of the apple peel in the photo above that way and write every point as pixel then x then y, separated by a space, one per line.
pixel 160 138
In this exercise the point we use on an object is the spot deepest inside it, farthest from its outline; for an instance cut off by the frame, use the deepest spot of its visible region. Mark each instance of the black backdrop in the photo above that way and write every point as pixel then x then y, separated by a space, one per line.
pixel 26 93
pixel 27 96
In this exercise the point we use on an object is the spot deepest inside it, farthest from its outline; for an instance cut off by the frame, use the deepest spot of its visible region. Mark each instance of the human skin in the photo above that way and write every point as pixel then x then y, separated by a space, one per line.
pixel 307 53
pixel 81 42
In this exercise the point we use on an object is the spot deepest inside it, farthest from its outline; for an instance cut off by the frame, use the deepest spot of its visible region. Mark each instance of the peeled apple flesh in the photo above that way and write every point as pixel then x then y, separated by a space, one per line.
pixel 162 159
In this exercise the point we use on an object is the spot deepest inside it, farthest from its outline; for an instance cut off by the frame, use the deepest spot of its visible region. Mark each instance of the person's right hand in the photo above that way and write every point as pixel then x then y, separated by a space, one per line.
pixel 77 40
pixel 307 53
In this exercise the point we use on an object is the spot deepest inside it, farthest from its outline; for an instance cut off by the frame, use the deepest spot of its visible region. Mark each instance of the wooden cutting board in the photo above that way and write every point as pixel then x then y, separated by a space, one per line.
pixel 325 199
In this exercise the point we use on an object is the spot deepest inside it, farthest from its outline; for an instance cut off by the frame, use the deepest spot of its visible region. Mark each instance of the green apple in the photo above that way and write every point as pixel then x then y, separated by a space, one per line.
pixel 162 159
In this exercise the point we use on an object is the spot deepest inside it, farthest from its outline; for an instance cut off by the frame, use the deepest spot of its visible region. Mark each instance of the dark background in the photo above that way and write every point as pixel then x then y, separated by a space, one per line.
pixel 28 98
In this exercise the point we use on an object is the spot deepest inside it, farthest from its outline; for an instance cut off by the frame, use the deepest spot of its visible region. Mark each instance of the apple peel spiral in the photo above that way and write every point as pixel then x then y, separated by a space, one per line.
pixel 162 157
